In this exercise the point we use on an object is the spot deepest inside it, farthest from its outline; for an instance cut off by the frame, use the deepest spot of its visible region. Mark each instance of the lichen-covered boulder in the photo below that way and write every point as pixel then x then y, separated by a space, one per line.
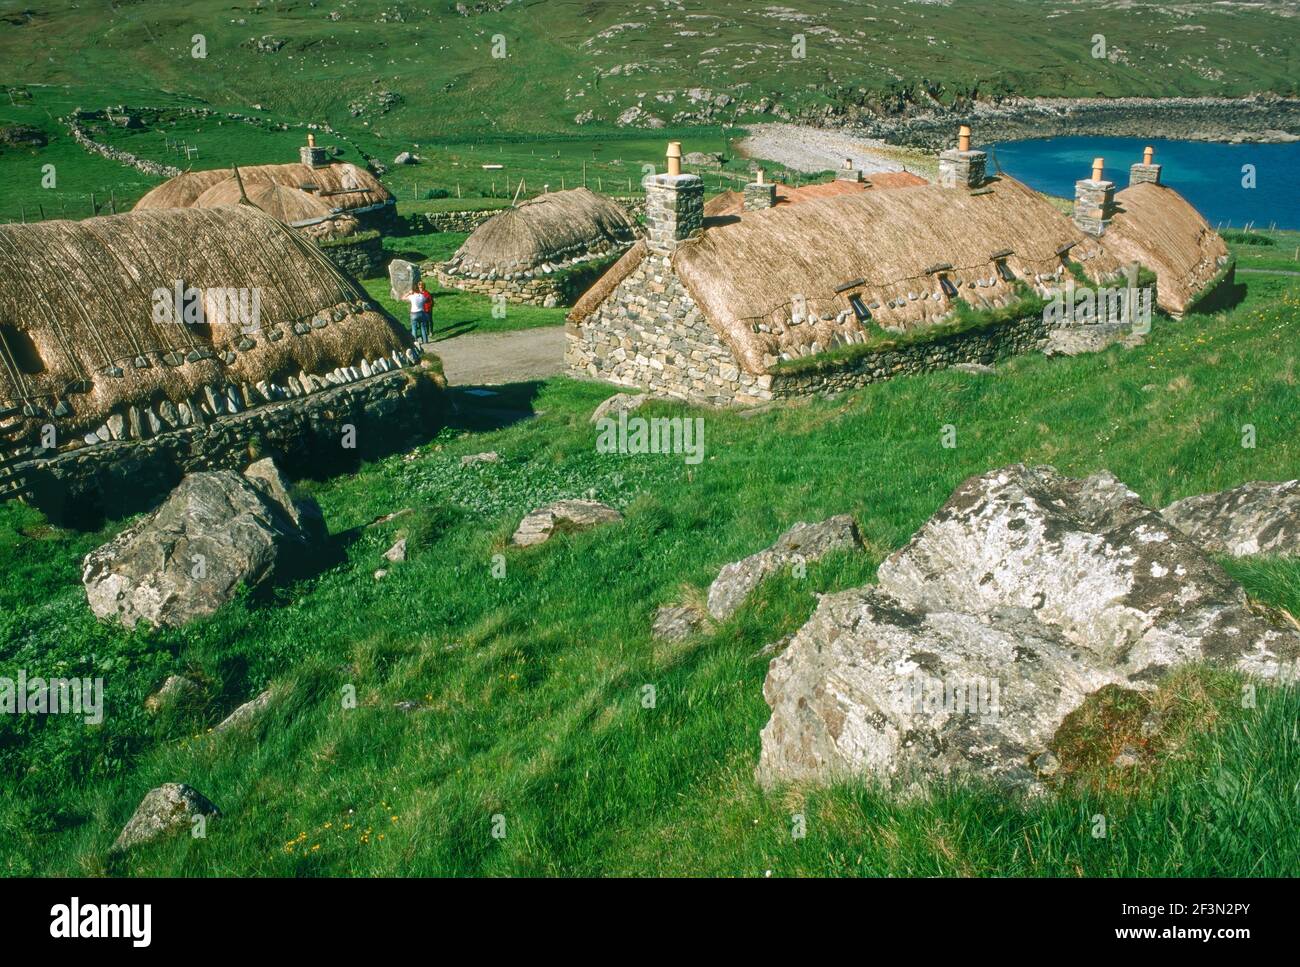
pixel 802 542
pixel 1027 591
pixel 1255 518
pixel 563 515
pixel 618 403
pixel 869 687
pixel 1089 558
pixel 217 531
pixel 166 809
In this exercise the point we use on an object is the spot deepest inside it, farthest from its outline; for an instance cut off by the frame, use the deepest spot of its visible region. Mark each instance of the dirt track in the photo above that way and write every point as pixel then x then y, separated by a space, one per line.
pixel 495 358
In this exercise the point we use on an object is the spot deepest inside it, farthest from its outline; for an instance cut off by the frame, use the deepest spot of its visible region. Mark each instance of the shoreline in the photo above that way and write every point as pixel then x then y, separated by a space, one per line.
pixel 1260 119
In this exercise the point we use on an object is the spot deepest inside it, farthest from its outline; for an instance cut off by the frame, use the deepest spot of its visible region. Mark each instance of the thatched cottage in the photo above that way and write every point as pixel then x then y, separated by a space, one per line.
pixel 135 347
pixel 716 303
pixel 543 251
pixel 337 204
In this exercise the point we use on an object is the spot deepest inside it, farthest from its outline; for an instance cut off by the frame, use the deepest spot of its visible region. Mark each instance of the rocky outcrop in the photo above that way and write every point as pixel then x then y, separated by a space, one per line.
pixel 1255 518
pixel 563 515
pixel 177 690
pixel 218 531
pixel 169 808
pixel 802 542
pixel 1026 592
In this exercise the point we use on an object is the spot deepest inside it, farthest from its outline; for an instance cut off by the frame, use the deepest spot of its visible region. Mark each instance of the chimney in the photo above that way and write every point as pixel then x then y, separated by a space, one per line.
pixel 312 155
pixel 1146 171
pixel 847 172
pixel 962 167
pixel 1094 201
pixel 674 205
pixel 759 193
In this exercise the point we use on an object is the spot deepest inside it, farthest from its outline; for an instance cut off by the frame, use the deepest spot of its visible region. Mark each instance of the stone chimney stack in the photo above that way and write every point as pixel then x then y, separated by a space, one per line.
pixel 962 167
pixel 847 172
pixel 759 193
pixel 674 205
pixel 1094 201
pixel 1146 171
pixel 313 155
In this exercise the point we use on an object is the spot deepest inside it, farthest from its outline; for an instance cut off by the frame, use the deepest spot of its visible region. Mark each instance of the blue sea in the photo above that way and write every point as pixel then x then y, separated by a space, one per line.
pixel 1208 174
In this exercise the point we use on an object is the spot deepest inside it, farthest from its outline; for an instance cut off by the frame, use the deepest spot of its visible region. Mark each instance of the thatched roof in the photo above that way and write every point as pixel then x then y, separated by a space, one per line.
pixel 554 229
pixel 289 205
pixel 607 283
pixel 1156 227
pixel 78 303
pixel 338 186
pixel 745 275
pixel 733 202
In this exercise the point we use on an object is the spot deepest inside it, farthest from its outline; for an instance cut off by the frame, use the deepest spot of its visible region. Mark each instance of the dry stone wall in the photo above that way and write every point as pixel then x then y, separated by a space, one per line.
pixel 305 436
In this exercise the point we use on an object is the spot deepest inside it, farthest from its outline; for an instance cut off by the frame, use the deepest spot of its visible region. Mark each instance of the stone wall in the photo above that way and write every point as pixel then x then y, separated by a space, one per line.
pixel 548 290
pixel 972 346
pixel 467 221
pixel 305 435
pixel 361 257
pixel 650 334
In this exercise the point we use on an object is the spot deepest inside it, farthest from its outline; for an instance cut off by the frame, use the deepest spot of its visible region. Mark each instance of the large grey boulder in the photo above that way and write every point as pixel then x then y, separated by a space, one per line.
pixel 563 515
pixel 1023 594
pixel 869 687
pixel 167 809
pixel 802 542
pixel 403 276
pixel 1088 558
pixel 217 531
pixel 1255 518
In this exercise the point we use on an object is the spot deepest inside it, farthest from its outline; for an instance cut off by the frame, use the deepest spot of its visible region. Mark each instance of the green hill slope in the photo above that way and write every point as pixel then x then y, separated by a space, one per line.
pixel 420 70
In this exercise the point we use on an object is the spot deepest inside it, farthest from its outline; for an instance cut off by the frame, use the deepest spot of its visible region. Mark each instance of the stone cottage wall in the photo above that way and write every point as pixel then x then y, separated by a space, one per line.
pixel 361 257
pixel 650 334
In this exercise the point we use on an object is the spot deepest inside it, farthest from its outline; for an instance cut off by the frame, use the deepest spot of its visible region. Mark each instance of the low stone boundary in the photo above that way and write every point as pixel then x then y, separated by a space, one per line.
pixel 983 346
pixel 470 219
pixel 305 435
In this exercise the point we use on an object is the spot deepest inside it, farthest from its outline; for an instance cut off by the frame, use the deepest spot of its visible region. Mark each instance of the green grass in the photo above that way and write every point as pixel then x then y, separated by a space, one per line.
pixel 564 58
pixel 529 686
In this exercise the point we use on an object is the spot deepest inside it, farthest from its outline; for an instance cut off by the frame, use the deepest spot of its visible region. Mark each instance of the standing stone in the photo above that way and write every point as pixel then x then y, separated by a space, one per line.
pixel 403 276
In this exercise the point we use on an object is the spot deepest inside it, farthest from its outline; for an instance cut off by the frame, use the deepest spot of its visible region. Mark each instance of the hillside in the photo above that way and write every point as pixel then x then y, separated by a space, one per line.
pixel 484 67
pixel 521 695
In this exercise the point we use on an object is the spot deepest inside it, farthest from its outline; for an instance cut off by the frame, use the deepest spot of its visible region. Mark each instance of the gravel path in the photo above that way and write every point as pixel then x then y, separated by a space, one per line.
pixel 495 358
pixel 811 149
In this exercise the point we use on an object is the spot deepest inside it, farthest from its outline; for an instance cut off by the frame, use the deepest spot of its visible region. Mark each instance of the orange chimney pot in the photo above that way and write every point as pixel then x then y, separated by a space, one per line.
pixel 674 157
pixel 963 138
pixel 1147 154
pixel 1098 164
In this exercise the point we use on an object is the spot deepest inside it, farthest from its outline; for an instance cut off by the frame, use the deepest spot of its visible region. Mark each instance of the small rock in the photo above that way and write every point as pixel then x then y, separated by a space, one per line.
pixel 489 456
pixel 245 713
pixel 618 403
pixel 541 524
pixel 677 622
pixel 397 553
pixel 1255 518
pixel 166 809
pixel 175 690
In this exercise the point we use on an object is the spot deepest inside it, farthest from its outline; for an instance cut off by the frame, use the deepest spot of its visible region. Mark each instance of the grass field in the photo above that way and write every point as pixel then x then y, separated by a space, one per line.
pixel 535 66
pixel 527 688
